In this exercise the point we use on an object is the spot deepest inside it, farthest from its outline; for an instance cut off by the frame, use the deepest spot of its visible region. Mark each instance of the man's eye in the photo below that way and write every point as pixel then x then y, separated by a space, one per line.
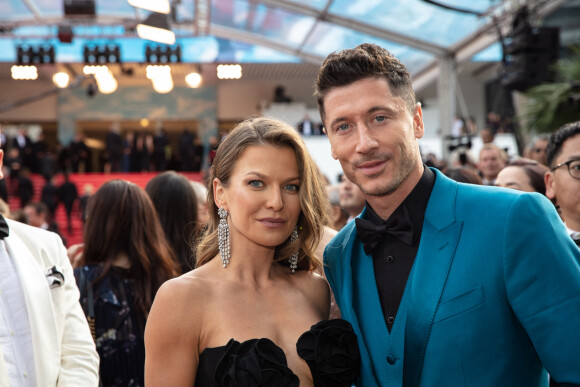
pixel 380 118
pixel 342 127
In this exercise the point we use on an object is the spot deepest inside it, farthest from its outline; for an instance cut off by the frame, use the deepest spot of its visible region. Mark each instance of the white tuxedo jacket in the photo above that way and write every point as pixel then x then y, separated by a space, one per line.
pixel 64 351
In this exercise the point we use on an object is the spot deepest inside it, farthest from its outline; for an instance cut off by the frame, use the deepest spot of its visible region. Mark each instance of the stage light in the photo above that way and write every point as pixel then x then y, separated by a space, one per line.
pixel 159 6
pixel 106 82
pixel 61 80
pixel 108 53
pixel 93 69
pixel 79 8
pixel 65 34
pixel 193 80
pixel 160 77
pixel 162 54
pixel 24 72
pixel 229 71
pixel 156 28
pixel 27 55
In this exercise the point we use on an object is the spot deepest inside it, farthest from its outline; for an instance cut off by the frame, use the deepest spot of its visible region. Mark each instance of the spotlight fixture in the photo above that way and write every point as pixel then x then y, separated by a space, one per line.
pixel 108 53
pixel 193 80
pixel 162 54
pixel 105 79
pixel 160 77
pixel 61 80
pixel 65 34
pixel 156 28
pixel 106 82
pixel 24 72
pixel 27 55
pixel 79 8
pixel 159 6
pixel 229 71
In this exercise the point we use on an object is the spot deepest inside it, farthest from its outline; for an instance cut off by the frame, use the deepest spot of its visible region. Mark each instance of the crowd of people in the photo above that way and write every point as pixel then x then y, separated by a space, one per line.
pixel 403 273
pixel 135 151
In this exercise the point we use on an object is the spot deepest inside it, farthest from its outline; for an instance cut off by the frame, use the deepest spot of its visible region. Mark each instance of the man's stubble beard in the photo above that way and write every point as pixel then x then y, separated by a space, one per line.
pixel 402 172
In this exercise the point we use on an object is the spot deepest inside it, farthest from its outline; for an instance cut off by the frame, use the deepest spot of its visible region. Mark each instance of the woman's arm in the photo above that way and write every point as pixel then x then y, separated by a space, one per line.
pixel 172 335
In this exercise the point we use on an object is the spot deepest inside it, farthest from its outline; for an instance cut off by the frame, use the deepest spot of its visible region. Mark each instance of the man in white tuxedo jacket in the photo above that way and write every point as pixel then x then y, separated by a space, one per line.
pixel 45 339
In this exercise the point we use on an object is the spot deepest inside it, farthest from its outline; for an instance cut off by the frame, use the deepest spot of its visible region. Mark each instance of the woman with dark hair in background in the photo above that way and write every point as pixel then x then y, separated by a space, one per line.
pixel 126 258
pixel 254 312
pixel 463 175
pixel 175 201
pixel 523 175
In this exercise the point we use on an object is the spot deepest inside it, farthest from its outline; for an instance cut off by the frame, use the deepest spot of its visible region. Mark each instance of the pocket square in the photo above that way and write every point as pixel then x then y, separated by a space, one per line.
pixel 54 277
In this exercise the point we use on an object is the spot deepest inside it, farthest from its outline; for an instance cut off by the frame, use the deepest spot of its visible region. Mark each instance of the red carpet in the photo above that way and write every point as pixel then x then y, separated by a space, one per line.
pixel 80 179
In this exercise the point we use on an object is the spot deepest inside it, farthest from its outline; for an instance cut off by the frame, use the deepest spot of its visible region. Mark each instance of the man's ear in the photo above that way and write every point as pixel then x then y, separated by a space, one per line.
pixel 549 181
pixel 218 193
pixel 418 124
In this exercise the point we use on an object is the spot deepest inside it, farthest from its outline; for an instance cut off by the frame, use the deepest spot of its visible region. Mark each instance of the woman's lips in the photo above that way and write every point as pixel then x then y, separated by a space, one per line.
pixel 272 223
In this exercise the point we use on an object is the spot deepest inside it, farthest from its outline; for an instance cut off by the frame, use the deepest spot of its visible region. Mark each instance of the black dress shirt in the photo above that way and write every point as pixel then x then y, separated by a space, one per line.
pixel 392 258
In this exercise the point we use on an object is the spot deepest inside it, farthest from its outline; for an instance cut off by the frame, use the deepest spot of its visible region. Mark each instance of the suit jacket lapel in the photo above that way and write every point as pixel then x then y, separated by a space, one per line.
pixel 439 240
pixel 39 306
pixel 350 252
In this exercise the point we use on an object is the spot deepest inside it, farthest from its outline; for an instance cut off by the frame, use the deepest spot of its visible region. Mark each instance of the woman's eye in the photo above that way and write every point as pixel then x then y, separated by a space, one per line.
pixel 292 187
pixel 256 183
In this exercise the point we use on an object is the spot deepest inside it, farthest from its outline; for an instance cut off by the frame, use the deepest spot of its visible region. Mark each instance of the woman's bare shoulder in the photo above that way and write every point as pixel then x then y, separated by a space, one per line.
pixel 188 292
pixel 315 287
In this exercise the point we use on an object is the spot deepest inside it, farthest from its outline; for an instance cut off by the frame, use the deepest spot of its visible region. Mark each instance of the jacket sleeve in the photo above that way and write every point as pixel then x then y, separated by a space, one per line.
pixel 79 363
pixel 542 274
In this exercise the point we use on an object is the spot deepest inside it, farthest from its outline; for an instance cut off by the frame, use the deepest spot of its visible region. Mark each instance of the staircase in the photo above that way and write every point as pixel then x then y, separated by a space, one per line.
pixel 80 179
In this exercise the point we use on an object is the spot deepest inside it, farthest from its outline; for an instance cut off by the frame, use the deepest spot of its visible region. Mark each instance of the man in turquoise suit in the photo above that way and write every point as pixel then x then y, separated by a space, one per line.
pixel 446 284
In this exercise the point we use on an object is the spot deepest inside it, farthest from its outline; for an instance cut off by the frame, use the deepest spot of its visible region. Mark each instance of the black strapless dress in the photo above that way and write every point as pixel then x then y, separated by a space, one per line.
pixel 329 348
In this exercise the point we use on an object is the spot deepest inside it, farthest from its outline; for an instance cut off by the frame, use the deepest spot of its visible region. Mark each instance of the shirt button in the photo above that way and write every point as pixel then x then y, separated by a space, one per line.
pixel 390 259
pixel 391 360
pixel 390 319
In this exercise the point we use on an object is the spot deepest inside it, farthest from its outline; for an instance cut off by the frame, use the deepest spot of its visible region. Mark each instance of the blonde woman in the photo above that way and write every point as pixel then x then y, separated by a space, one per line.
pixel 253 311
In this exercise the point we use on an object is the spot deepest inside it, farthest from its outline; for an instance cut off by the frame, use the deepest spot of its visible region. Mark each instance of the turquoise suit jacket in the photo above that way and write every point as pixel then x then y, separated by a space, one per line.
pixel 493 298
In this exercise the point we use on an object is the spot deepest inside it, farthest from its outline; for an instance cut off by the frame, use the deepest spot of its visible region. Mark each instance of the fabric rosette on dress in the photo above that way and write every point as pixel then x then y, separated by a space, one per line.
pixel 256 362
pixel 330 349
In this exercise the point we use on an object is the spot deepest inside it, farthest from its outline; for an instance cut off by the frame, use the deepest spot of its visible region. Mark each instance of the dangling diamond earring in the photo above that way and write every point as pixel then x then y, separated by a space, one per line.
pixel 224 237
pixel 294 257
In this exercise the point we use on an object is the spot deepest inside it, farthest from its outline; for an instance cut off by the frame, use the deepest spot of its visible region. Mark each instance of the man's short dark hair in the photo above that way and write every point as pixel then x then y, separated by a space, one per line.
pixel 558 138
pixel 364 61
pixel 39 207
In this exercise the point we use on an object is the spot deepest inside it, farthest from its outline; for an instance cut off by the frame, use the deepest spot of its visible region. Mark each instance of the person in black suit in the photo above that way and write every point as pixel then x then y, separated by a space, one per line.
pixel 49 196
pixel 68 194
pixel 36 215
pixel 25 187
pixel 114 147
pixel 24 145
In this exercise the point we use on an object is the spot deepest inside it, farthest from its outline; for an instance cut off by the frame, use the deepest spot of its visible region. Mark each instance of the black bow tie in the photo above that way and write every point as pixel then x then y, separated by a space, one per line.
pixel 3 228
pixel 576 238
pixel 398 225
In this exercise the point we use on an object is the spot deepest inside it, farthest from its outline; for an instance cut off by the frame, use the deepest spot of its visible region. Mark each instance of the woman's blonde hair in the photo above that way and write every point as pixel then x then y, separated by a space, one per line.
pixel 266 131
